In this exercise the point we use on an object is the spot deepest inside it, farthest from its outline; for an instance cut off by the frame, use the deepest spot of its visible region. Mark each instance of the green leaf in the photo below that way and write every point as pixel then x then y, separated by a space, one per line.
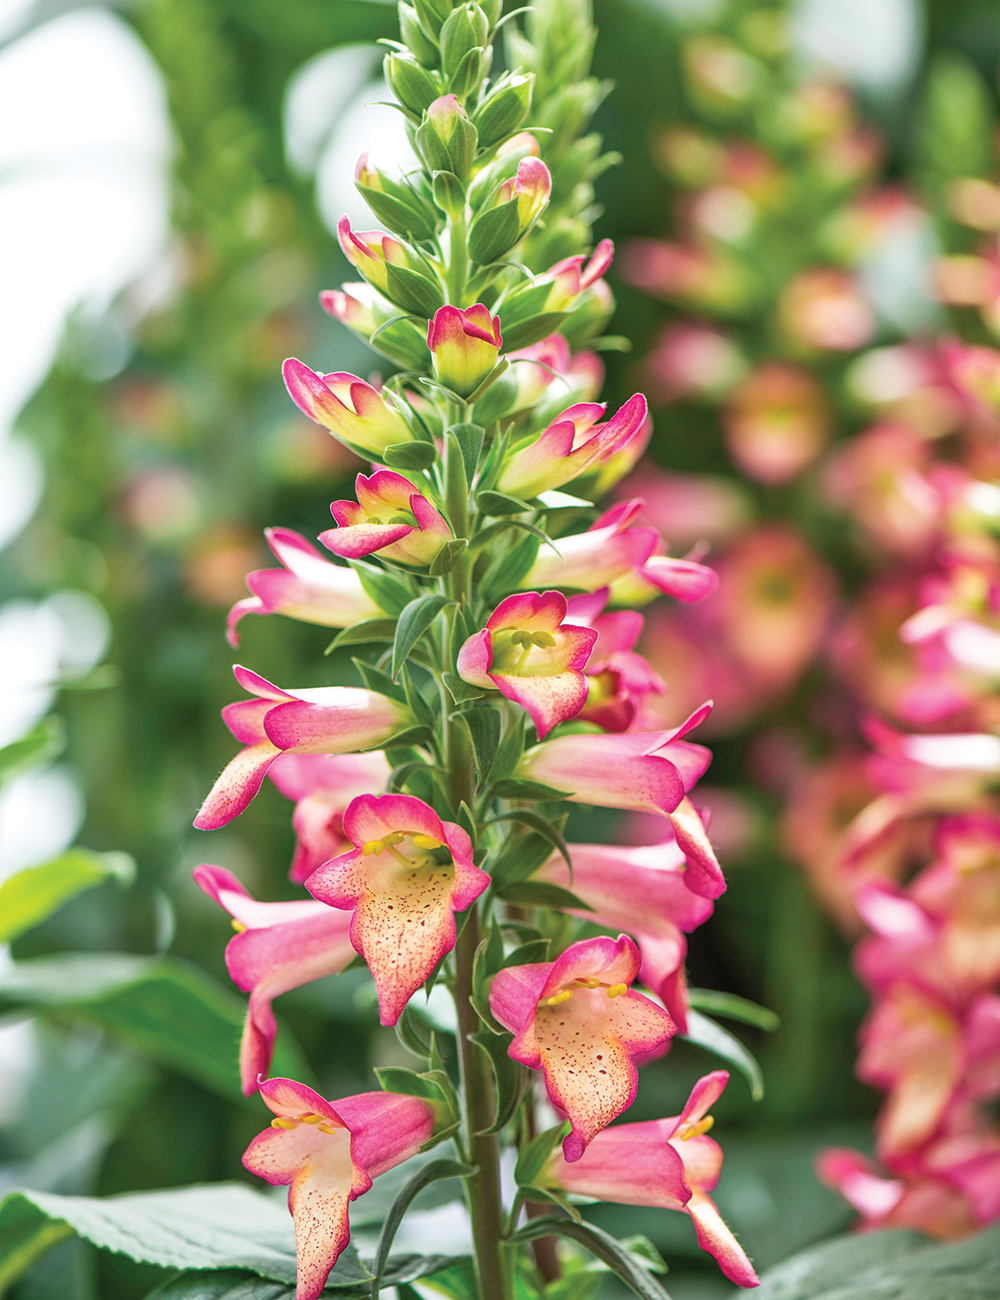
pixel 433 1172
pixel 41 745
pixel 516 789
pixel 551 1196
pixel 368 630
pixel 509 1077
pixel 171 1011
pixel 381 683
pixel 540 824
pixel 445 559
pixel 461 692
pixel 533 1157
pixel 388 591
pixel 470 442
pixel 29 896
pixel 735 1008
pixel 398 1079
pixel 409 1035
pixel 520 858
pixel 409 455
pixel 499 503
pixel 226 1284
pixel 539 893
pixel 602 1246
pixel 414 621
pixel 484 733
pixel 508 569
pixel 535 950
pixel 509 751
pixel 713 1038
pixel 457 1282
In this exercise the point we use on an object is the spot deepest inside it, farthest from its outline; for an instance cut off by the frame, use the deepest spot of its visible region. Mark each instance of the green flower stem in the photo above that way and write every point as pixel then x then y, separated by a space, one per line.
pixel 458 259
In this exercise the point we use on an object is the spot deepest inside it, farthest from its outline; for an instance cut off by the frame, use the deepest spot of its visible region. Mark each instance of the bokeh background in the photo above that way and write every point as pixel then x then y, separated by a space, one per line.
pixel 170 173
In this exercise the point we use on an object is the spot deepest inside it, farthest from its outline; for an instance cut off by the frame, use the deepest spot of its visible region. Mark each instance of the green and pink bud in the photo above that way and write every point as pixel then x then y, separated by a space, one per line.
pixel 578 1020
pixel 327 1154
pixel 571 445
pixel 529 654
pixel 464 346
pixel 392 267
pixel 407 875
pixel 446 138
pixel 277 947
pixel 318 720
pixel 666 1163
pixel 390 518
pixel 309 588
pixel 513 208
pixel 399 205
pixel 570 277
pixel 363 311
pixel 357 415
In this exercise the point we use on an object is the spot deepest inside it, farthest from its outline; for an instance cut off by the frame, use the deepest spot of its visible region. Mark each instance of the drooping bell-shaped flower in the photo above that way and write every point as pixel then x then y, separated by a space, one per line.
pixel 532 657
pixel 407 875
pixel 352 410
pixel 609 549
pixel 390 517
pixel 668 1163
pixel 322 785
pixel 572 444
pixel 309 588
pixel 278 947
pixel 327 1154
pixel 619 679
pixel 578 1020
pixel 320 720
pixel 464 346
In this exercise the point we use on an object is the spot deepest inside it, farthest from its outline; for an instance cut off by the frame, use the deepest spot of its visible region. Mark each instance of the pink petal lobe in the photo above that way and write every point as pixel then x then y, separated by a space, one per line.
pixel 547 700
pixel 716 1238
pixel 704 875
pixel 239 782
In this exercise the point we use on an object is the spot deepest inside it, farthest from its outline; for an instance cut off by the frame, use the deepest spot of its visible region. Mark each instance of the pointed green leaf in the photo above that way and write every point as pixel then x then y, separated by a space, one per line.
pixel 484 732
pixel 470 442
pixel 713 1038
pixel 542 825
pixel 376 680
pixel 414 621
pixel 499 503
pixel 433 1172
pixel 509 1077
pixel 602 1246
pixel 735 1008
pixel 40 745
pixel 461 692
pixel 363 633
pixel 30 896
pixel 533 1157
pixel 388 591
pixel 516 789
pixel 539 893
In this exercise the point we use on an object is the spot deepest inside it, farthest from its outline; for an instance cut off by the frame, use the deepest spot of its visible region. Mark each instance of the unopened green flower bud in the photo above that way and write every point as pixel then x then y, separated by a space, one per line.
pixel 446 138
pixel 413 86
pixel 514 208
pixel 449 194
pixel 502 168
pixel 398 205
pixel 504 110
pixel 431 15
pixel 464 32
pixel 491 8
pixel 415 38
pixel 470 73
pixel 590 314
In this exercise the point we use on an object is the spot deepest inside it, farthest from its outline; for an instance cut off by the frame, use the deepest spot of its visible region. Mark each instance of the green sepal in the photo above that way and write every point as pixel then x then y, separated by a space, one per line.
pixel 532 330
pixel 461 692
pixel 499 503
pixel 412 290
pixel 493 234
pixel 376 680
pixel 503 110
pixel 535 1155
pixel 414 621
pixel 364 633
pixel 449 194
pixel 510 1078
pixel 470 443
pixel 409 455
pixel 539 893
pixel 416 219
pixel 389 592
pixel 513 788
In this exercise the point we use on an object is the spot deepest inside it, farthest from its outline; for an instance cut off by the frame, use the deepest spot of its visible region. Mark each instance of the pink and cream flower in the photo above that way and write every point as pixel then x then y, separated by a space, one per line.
pixel 578 1020
pixel 327 1154
pixel 309 588
pixel 407 875
pixel 352 410
pixel 464 346
pixel 390 517
pixel 667 1163
pixel 278 947
pixel 316 720
pixel 570 277
pixel 529 654
pixel 619 679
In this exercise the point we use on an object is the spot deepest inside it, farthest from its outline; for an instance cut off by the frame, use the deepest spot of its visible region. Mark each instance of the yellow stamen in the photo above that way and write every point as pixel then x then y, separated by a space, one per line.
pixel 563 995
pixel 396 837
pixel 372 849
pixel 325 1127
pixel 283 1123
pixel 425 842
pixel 311 1119
pixel 589 984
pixel 239 927
pixel 696 1130
pixel 616 990
pixel 543 639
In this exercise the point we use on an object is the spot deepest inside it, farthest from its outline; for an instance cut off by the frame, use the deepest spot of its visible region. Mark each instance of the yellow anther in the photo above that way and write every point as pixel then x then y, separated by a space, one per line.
pixel 616 990
pixel 696 1130
pixel 520 638
pixel 563 995
pixel 326 1127
pixel 425 842
pixel 589 984
pixel 545 639
pixel 283 1123
pixel 239 927
pixel 311 1119
pixel 372 848
pixel 397 837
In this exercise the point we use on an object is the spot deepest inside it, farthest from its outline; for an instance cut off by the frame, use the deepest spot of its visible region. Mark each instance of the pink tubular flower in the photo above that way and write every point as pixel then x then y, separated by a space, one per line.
pixel 572 444
pixel 643 891
pixel 570 277
pixel 619 679
pixel 578 1021
pixel 308 588
pixel 280 946
pixel 327 1153
pixel 608 550
pixel 321 720
pixel 531 188
pixel 464 345
pixel 580 374
pixel 532 657
pixel 390 517
pixel 408 874
pixel 351 409
pixel 370 252
pixel 322 786
pixel 667 1163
